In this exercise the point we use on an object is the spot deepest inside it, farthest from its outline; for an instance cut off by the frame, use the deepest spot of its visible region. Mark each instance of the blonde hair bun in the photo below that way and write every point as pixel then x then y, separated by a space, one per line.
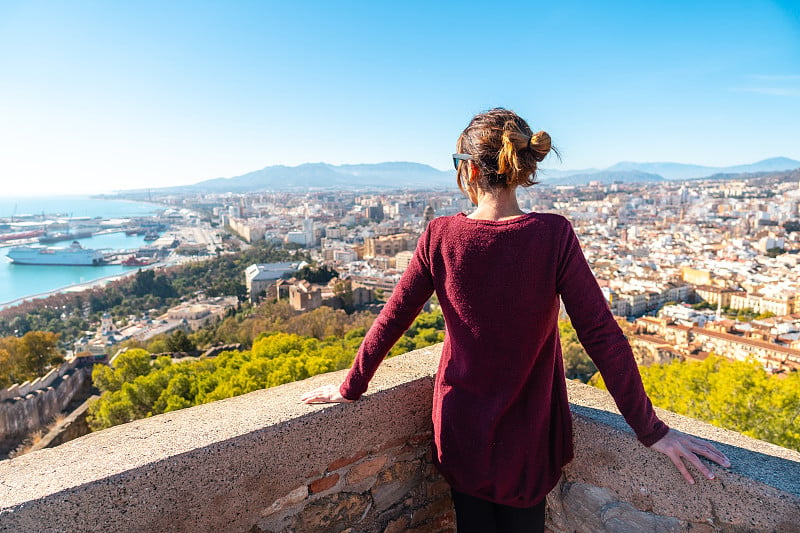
pixel 541 143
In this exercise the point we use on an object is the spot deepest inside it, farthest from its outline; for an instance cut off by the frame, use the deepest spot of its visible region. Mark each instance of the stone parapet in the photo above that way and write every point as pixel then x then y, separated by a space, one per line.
pixel 264 462
pixel 70 428
pixel 614 484
pixel 21 415
pixel 18 390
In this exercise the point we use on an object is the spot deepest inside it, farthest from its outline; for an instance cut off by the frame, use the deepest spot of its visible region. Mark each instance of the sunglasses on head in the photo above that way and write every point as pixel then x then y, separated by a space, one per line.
pixel 457 158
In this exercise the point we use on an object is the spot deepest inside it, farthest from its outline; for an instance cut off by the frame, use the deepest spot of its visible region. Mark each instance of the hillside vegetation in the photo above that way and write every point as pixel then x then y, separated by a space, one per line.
pixel 736 395
pixel 28 357
pixel 138 387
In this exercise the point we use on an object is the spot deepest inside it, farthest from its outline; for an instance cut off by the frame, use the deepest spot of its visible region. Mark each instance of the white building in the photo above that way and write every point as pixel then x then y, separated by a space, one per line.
pixel 297 237
pixel 260 276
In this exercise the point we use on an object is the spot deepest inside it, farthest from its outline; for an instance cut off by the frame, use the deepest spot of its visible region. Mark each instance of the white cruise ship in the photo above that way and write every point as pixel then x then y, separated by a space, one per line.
pixel 73 255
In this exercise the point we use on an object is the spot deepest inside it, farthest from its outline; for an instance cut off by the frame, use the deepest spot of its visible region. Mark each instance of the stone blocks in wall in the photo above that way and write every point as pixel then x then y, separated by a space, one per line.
pixel 581 508
pixel 390 488
pixel 22 415
pixel 42 383
pixel 73 426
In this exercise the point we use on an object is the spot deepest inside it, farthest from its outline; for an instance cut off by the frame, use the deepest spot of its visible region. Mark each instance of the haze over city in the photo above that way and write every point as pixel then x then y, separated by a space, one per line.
pixel 100 97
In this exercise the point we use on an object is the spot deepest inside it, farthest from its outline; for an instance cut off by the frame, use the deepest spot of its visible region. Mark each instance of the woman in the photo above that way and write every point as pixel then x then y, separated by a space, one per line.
pixel 502 426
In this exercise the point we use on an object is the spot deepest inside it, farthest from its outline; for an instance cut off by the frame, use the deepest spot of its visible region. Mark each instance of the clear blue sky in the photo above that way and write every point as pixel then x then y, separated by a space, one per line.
pixel 101 95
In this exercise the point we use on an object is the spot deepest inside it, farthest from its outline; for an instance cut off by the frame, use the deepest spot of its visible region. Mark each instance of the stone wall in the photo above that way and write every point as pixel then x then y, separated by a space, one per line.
pixel 216 350
pixel 73 426
pixel 264 462
pixel 20 390
pixel 20 415
pixel 391 488
pixel 616 485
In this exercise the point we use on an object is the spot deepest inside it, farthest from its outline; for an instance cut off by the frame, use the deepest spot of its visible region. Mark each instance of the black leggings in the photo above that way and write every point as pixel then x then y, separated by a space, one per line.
pixel 482 516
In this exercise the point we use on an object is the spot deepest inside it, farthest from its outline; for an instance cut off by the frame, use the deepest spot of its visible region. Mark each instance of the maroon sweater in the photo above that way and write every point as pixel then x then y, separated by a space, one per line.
pixel 501 421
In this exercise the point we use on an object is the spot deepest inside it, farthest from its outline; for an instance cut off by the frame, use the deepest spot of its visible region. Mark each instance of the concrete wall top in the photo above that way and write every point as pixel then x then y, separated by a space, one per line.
pixel 208 460
pixel 753 459
pixel 127 447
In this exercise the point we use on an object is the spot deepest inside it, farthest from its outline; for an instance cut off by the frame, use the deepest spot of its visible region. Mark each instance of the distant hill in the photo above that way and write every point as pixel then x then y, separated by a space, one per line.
pixel 606 176
pixel 400 175
pixel 671 171
pixel 325 176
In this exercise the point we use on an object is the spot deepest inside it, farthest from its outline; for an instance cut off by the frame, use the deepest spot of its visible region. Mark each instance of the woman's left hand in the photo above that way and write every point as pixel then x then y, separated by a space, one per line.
pixel 324 394
pixel 679 446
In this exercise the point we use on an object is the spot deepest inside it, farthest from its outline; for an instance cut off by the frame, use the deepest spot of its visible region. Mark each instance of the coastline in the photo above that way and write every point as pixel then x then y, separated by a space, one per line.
pixel 80 287
pixel 100 282
pixel 20 285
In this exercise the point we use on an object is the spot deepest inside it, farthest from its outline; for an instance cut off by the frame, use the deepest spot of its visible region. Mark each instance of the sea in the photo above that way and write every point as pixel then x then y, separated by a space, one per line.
pixel 18 282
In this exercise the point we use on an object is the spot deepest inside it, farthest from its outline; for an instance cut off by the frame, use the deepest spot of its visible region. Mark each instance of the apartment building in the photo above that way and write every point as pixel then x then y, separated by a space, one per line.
pixel 389 245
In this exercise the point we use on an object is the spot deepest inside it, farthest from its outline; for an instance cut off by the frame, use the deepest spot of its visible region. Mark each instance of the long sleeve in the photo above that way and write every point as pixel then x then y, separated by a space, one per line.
pixel 604 341
pixel 408 297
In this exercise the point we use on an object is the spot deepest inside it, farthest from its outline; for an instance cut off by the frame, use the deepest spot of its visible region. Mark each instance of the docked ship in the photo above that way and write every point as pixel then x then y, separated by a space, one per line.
pixel 73 255
pixel 64 236
pixel 20 235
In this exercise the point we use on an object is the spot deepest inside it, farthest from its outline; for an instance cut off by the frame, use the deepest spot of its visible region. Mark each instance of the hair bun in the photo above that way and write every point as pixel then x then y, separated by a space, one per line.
pixel 540 143
pixel 503 147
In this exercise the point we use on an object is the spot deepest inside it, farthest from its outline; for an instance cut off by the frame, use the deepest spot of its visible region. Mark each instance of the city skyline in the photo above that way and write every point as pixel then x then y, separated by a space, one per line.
pixel 106 97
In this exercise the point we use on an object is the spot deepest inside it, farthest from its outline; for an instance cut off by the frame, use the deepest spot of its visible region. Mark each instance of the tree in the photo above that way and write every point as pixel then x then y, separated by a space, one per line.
pixel 432 320
pixel 19 325
pixel 202 338
pixel 343 289
pixel 317 275
pixel 426 337
pixel 577 364
pixel 158 345
pixel 131 364
pixel 746 314
pixel 775 252
pixel 12 362
pixel 40 349
pixel 135 388
pixel 9 368
pixel 147 282
pixel 28 357
pixel 179 342
pixel 138 387
pixel 791 225
pixel 737 395
pixel 319 323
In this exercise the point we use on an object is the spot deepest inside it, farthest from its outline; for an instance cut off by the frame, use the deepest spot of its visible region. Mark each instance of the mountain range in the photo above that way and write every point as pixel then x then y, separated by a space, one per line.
pixel 416 175
pixel 325 176
pixel 628 171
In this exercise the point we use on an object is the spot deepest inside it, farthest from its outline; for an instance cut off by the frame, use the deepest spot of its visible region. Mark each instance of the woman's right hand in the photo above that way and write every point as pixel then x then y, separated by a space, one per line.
pixel 324 394
pixel 678 446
